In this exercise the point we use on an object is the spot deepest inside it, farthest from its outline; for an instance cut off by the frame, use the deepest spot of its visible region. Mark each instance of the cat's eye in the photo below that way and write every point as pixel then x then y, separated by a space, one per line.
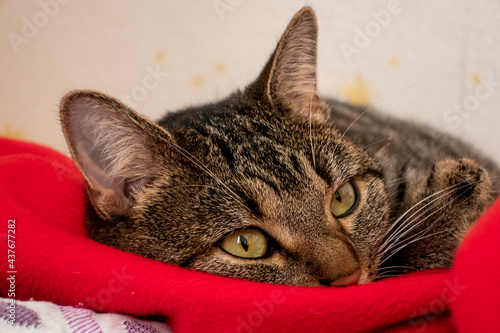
pixel 344 200
pixel 246 243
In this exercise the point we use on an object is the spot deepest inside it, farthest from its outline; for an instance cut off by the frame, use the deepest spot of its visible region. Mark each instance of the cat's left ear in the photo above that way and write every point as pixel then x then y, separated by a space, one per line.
pixel 118 151
pixel 289 78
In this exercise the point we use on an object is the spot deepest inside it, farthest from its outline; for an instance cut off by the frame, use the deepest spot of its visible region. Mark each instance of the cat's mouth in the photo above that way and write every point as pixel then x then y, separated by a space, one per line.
pixel 350 280
pixel 363 275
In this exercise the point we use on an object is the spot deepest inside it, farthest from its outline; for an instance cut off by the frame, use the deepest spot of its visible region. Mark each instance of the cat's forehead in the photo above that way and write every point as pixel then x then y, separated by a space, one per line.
pixel 251 148
pixel 246 130
pixel 247 122
pixel 245 140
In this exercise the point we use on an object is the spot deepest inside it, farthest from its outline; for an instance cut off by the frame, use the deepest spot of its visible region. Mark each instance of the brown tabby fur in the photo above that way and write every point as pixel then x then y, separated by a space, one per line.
pixel 271 157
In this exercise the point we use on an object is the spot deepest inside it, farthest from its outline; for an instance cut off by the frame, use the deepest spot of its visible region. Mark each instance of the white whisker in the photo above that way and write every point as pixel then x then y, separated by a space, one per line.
pixel 387 276
pixel 391 267
pixel 378 141
pixel 417 236
pixel 402 229
pixel 197 162
pixel 403 225
pixel 413 241
pixel 310 131
pixel 410 224
pixel 368 109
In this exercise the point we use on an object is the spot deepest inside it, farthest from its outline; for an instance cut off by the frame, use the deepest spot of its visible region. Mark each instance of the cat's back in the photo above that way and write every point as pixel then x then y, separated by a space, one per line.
pixel 401 145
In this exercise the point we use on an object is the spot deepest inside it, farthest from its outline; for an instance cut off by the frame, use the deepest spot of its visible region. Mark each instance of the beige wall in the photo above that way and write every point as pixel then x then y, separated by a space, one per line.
pixel 434 61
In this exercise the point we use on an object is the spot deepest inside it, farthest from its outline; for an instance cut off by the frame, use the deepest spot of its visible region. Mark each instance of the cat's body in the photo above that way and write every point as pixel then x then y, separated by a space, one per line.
pixel 408 154
pixel 274 185
pixel 403 148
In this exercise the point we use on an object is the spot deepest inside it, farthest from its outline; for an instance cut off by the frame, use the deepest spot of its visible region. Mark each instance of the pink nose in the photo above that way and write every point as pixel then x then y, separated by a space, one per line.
pixel 347 280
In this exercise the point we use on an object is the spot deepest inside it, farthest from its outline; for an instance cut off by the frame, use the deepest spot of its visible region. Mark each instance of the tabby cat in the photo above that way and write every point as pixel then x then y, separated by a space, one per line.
pixel 274 184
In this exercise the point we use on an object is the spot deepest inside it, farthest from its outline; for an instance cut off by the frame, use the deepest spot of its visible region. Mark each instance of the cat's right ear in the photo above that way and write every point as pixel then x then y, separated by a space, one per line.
pixel 118 151
pixel 288 80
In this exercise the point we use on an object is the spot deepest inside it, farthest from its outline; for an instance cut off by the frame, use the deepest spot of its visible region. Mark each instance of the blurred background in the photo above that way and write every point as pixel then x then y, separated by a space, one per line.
pixel 437 62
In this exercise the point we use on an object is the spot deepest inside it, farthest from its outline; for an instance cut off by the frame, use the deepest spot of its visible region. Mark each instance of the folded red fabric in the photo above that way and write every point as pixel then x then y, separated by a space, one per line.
pixel 477 272
pixel 42 194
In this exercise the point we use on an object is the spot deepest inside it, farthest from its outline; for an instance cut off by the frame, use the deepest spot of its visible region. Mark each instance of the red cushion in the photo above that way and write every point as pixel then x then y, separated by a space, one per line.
pixel 43 192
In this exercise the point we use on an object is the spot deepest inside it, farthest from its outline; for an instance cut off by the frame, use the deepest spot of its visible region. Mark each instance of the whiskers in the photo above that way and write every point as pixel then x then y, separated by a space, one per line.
pixel 368 109
pixel 200 165
pixel 386 141
pixel 390 271
pixel 409 227
pixel 311 128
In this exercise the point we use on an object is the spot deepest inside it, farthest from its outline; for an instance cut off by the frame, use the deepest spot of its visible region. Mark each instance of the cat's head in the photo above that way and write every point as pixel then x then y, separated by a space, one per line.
pixel 259 186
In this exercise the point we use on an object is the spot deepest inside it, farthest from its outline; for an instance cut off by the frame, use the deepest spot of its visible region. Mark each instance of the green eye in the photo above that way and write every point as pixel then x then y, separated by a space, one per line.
pixel 343 200
pixel 246 243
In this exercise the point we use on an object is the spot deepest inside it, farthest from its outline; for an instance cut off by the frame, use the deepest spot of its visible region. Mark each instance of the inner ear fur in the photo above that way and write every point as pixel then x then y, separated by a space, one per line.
pixel 289 78
pixel 117 150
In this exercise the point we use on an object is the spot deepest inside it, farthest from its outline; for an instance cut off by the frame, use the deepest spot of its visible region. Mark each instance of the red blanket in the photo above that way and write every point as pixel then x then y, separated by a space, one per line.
pixel 42 199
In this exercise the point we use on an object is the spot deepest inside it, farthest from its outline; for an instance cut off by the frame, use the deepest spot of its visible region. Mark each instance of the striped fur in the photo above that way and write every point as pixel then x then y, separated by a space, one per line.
pixel 271 157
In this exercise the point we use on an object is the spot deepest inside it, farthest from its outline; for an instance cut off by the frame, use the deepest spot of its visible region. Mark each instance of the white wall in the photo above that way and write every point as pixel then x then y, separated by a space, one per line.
pixel 424 61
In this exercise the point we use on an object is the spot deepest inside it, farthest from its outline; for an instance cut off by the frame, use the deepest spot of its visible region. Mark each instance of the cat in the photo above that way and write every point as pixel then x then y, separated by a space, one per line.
pixel 274 184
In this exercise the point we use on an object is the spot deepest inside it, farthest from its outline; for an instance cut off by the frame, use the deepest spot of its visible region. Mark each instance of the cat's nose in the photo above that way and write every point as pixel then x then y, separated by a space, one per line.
pixel 348 280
